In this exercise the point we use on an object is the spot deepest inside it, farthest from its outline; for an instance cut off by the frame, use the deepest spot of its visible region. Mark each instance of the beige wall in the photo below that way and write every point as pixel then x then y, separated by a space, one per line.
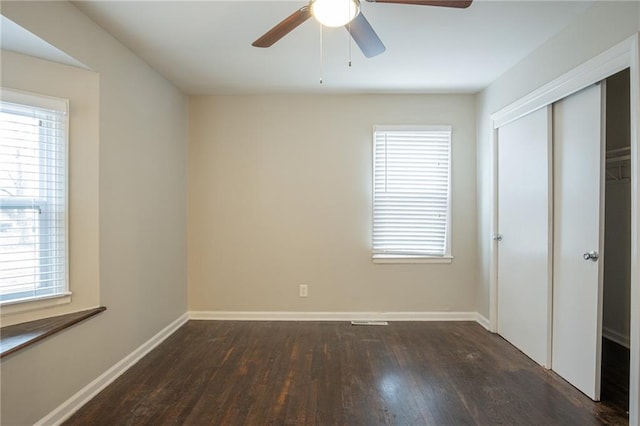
pixel 600 27
pixel 142 217
pixel 280 195
pixel 80 87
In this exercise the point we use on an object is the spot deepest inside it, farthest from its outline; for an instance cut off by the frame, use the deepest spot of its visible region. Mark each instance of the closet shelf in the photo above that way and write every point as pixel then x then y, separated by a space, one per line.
pixel 618 164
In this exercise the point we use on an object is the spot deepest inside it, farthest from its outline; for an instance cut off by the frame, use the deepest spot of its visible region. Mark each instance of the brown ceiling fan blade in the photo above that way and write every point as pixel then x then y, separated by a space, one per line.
pixel 460 4
pixel 283 28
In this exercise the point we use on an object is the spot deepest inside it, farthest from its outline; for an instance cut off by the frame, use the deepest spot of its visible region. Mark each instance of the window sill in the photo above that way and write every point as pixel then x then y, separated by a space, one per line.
pixel 14 307
pixel 443 259
pixel 16 337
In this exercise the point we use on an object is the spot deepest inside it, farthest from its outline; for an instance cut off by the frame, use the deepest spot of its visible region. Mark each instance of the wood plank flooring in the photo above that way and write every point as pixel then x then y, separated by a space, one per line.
pixel 332 373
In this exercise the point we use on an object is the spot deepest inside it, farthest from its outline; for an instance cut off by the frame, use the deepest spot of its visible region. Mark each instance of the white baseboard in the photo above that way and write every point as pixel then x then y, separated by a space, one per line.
pixel 483 321
pixel 73 404
pixel 617 337
pixel 336 316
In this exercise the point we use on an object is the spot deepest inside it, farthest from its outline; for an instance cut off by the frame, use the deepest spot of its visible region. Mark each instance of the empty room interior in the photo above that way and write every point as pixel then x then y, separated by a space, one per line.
pixel 238 212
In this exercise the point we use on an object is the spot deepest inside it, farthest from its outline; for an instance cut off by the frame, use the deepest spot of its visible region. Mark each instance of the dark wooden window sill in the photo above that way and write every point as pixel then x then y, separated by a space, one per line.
pixel 19 336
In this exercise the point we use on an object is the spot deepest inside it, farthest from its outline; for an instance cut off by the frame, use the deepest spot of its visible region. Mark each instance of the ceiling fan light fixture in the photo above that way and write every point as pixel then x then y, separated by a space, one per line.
pixel 335 13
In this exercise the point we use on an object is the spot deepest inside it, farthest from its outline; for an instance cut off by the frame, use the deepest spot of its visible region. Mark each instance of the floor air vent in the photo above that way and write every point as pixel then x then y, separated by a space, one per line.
pixel 369 323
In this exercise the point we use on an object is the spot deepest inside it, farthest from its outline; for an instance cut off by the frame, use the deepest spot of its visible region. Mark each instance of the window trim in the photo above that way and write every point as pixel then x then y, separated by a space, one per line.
pixel 61 106
pixel 447 257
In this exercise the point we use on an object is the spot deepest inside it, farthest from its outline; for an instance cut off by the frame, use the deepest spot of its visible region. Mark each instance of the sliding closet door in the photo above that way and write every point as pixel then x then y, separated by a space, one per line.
pixel 524 215
pixel 578 238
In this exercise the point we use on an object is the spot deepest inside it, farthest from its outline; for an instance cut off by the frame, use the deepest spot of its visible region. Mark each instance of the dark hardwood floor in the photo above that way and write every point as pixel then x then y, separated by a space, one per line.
pixel 332 373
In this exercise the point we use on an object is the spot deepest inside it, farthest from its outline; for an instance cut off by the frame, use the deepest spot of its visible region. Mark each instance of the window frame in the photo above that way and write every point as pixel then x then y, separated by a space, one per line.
pixel 61 106
pixel 447 257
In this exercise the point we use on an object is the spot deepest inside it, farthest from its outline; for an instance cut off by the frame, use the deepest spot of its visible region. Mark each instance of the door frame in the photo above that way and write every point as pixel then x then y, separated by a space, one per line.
pixel 623 55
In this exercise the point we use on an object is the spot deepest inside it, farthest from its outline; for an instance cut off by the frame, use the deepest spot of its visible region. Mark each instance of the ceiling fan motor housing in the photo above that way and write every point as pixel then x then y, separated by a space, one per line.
pixel 334 13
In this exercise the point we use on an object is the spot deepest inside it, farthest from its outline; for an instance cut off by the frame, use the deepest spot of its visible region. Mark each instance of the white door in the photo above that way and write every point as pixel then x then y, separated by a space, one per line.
pixel 578 231
pixel 524 223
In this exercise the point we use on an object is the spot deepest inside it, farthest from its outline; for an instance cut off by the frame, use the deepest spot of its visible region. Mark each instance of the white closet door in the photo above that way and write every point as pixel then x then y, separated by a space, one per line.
pixel 524 215
pixel 578 231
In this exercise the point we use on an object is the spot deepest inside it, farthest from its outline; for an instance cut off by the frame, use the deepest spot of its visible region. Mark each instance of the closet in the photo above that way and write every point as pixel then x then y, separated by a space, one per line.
pixel 563 272
pixel 617 244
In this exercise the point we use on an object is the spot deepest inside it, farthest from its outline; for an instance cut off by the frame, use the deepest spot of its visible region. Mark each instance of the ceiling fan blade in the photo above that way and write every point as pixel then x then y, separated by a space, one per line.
pixel 460 4
pixel 283 28
pixel 365 37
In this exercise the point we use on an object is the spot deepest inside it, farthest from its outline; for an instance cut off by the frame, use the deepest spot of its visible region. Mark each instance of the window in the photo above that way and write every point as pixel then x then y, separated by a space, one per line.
pixel 33 197
pixel 411 194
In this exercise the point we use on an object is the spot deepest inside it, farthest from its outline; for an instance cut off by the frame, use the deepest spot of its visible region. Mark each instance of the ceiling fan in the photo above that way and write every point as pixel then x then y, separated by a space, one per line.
pixel 338 13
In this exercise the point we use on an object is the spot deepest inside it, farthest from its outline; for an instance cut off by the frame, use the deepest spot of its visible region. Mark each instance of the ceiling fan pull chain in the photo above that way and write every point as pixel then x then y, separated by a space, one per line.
pixel 350 41
pixel 321 56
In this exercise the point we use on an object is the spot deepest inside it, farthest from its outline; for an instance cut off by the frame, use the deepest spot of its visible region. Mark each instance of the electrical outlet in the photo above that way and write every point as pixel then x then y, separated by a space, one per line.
pixel 304 290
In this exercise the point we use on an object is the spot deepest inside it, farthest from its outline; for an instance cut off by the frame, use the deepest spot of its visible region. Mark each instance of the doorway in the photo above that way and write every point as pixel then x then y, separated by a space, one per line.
pixel 617 244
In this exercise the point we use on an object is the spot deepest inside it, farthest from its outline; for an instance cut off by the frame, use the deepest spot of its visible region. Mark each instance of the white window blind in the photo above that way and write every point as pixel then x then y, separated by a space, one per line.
pixel 33 197
pixel 411 192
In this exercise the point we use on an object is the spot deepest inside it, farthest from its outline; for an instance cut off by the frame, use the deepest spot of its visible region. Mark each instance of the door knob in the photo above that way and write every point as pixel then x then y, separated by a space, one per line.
pixel 592 256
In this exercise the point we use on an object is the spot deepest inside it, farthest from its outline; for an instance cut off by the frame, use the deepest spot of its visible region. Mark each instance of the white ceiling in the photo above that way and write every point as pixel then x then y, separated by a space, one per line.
pixel 204 47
